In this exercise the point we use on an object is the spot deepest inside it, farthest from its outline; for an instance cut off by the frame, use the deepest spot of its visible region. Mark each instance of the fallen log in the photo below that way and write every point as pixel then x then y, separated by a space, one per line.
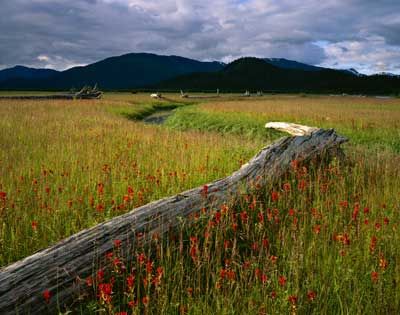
pixel 57 267
pixel 293 129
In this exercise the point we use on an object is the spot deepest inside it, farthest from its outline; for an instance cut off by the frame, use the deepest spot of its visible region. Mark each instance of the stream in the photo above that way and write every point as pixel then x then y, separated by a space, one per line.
pixel 159 117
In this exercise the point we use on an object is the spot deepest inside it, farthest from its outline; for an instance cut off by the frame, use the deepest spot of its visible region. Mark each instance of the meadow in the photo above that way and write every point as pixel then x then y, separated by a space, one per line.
pixel 324 240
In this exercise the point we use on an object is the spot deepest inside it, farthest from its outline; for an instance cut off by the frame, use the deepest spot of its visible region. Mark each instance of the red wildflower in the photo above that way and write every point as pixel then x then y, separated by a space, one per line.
pixel 342 238
pixel 160 271
pixel 292 212
pixel 273 295
pixel 141 258
pixel 204 191
pixel 378 226
pixel 265 242
pixel 117 243
pixel 344 204
pixel 243 216
pixel 273 258
pixel 47 296
pixel 317 229
pixel 145 300
pixel 282 280
pixel 149 267
pixel 100 275
pixel 234 227
pixel 132 304
pixel 383 264
pixel 274 196
pixel 105 291
pixel 311 295
pixel 100 207
pixel 227 244
pixel 264 278
pixel 302 185
pixel 190 291
pixel 372 244
pixel 386 221
pixel 130 281
pixel 217 217
pixel 260 217
pixel 89 281
pixel 246 265
pixel 366 210
pixel 121 313
pixel 100 188
pixel 286 187
pixel 355 211
pixel 34 225
pixel 374 276
pixel 292 299
pixel 117 262
pixel 193 240
pixel 3 195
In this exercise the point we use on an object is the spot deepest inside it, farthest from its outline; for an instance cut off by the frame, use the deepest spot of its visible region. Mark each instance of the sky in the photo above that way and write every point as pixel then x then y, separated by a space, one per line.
pixel 59 34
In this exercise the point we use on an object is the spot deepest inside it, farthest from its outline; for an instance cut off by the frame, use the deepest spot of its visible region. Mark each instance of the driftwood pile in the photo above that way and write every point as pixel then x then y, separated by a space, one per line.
pixel 88 92
pixel 57 267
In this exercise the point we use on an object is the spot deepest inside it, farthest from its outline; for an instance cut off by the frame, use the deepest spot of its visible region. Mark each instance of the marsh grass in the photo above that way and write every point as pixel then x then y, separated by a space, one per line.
pixel 324 240
pixel 68 165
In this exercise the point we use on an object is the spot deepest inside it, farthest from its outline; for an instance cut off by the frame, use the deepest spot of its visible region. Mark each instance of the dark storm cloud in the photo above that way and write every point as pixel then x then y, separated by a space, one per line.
pixel 342 33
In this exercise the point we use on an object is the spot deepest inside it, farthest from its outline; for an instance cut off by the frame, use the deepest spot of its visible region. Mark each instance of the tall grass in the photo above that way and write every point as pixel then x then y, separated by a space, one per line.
pixel 325 240
pixel 322 241
pixel 68 165
pixel 370 122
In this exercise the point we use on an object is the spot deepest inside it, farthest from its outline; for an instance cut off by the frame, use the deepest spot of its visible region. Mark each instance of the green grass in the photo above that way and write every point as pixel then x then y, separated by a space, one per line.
pixel 373 126
pixel 311 236
pixel 66 165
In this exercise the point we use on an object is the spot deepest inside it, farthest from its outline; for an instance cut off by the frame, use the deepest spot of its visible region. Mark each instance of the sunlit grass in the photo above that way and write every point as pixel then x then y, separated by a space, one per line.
pixel 68 165
pixel 324 240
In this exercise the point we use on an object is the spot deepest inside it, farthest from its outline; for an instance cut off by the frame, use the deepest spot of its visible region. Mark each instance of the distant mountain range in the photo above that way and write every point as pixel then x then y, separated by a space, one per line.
pixel 142 70
pixel 122 72
pixel 258 74
pixel 21 72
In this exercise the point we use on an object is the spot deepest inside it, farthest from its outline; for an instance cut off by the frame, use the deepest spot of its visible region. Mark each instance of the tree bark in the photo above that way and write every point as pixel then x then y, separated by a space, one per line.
pixel 56 268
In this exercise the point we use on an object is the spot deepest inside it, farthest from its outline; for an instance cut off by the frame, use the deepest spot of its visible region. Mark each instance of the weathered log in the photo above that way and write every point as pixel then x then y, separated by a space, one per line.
pixel 293 129
pixel 56 268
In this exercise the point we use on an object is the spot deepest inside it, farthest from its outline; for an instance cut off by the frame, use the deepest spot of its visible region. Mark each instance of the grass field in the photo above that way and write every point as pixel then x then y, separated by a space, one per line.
pixel 323 241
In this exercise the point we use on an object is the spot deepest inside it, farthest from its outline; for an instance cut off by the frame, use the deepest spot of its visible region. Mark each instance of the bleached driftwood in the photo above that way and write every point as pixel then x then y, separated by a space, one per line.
pixel 155 95
pixel 56 268
pixel 293 129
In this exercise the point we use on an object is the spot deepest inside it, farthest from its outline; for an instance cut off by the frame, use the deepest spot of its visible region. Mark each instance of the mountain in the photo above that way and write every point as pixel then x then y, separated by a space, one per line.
pixel 388 74
pixel 354 72
pixel 257 74
pixel 21 72
pixel 143 70
pixel 291 64
pixel 122 72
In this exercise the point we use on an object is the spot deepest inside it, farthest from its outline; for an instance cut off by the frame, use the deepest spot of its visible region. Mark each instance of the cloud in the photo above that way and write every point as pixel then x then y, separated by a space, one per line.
pixel 343 33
